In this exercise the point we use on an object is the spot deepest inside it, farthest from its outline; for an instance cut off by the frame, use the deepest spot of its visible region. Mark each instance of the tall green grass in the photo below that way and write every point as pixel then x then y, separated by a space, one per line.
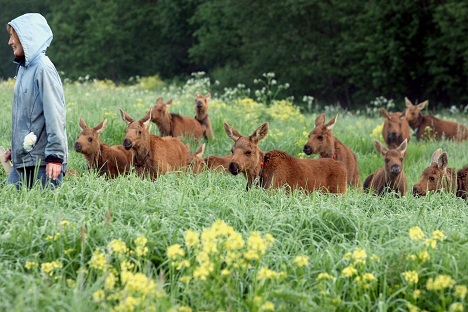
pixel 61 249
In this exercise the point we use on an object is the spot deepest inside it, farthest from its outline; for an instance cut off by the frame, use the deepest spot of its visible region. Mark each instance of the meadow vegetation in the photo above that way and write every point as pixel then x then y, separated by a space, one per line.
pixel 190 242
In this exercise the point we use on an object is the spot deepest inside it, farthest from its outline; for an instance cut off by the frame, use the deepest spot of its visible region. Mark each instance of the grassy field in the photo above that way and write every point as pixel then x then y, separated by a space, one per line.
pixel 202 243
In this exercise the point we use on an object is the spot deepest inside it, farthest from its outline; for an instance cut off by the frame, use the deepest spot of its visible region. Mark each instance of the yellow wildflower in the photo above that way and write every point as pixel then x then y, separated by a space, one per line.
pixel 301 261
pixel 203 271
pixel 31 265
pixel 411 277
pixel 182 264
pixel 347 256
pixel 423 256
pixel 191 238
pixel 375 258
pixel 416 294
pixel 412 308
pixel 49 267
pixel 325 276
pixel 438 235
pixel 456 307
pixel 460 291
pixel 349 271
pixel 184 309
pixel 185 279
pixel 99 295
pixel 52 237
pixel 141 240
pixel 109 283
pixel 266 273
pixel 377 132
pixel 359 256
pixel 127 265
pixel 416 233
pixel 429 242
pixel 118 246
pixel 412 257
pixel 225 272
pixel 64 223
pixel 440 282
pixel 98 260
pixel 234 241
pixel 175 251
pixel 267 306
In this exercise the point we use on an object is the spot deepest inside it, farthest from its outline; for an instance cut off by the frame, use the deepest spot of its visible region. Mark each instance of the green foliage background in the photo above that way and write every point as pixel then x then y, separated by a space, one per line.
pixel 345 52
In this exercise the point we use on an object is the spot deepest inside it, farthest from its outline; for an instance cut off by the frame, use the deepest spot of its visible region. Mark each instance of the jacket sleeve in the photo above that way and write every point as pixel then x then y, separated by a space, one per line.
pixel 53 101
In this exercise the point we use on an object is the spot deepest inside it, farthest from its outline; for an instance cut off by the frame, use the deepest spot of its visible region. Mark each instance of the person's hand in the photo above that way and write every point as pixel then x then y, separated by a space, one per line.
pixel 53 170
pixel 8 155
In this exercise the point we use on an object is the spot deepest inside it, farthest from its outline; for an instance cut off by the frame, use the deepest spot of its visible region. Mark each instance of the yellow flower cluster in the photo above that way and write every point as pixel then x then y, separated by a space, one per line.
pixel 324 276
pixel 359 256
pixel 377 132
pixel 50 267
pixel 301 261
pixel 118 246
pixel 349 271
pixel 141 249
pixel 440 282
pixel 98 261
pixel 30 265
pixel 411 277
pixel 415 233
pixel 365 280
pixel 460 291
pixel 265 273
pixel 175 251
pixel 286 111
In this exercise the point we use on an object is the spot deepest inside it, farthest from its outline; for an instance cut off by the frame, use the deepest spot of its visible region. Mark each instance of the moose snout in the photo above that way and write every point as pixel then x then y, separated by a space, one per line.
pixel 308 149
pixel 395 169
pixel 78 147
pixel 199 104
pixel 234 168
pixel 418 191
pixel 392 136
pixel 127 144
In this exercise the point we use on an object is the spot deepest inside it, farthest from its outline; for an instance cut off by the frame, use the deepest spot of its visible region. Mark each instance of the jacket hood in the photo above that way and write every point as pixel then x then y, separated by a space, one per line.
pixel 34 34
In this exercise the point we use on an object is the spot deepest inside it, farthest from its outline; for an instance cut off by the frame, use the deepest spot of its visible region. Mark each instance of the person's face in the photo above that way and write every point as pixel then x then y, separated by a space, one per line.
pixel 15 44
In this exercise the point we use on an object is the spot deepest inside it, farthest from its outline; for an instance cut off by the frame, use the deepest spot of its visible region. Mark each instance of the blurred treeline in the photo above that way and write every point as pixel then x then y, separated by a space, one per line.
pixel 346 52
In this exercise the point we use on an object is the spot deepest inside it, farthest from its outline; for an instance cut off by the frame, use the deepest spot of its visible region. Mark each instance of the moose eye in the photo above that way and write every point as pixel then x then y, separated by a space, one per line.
pixel 232 151
pixel 401 159
pixel 432 179
pixel 387 160
pixel 248 153
pixel 320 138
pixel 90 139
pixel 139 132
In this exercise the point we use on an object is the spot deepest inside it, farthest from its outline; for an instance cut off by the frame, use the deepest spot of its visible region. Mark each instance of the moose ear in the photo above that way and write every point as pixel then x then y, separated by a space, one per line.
pixel 402 147
pixel 159 101
pixel 384 113
pixel 200 151
pixel 146 119
pixel 320 120
pixel 380 148
pixel 259 133
pixel 126 117
pixel 422 105
pixel 83 124
pixel 232 133
pixel 169 103
pixel 208 96
pixel 331 123
pixel 435 156
pixel 408 102
pixel 442 162
pixel 99 128
pixel 197 94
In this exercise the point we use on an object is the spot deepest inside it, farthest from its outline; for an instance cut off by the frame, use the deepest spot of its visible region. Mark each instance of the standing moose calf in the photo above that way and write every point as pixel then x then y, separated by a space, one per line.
pixel 391 177
pixel 108 160
pixel 323 142
pixel 170 124
pixel 152 155
pixel 437 177
pixel 395 129
pixel 439 128
pixel 277 169
pixel 201 113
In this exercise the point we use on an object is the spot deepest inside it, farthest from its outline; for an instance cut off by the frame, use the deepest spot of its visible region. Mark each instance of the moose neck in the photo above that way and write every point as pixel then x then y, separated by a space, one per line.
pixel 94 160
pixel 253 174
pixel 201 116
pixel 166 126
pixel 415 124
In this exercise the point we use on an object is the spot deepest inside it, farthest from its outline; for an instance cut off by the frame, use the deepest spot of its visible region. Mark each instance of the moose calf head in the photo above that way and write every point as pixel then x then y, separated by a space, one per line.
pixel 246 154
pixel 137 132
pixel 413 112
pixel 88 142
pixel 201 104
pixel 393 158
pixel 160 111
pixel 321 139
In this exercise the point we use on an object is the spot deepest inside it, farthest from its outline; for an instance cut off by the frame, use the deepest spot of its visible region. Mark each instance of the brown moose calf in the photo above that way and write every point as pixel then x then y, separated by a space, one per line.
pixel 277 169
pixel 428 126
pixel 195 161
pixel 323 142
pixel 152 155
pixel 391 177
pixel 438 178
pixel 108 160
pixel 218 163
pixel 201 113
pixel 395 129
pixel 174 125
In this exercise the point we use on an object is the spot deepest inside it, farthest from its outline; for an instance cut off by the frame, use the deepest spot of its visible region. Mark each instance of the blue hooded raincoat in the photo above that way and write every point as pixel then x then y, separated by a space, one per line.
pixel 38 101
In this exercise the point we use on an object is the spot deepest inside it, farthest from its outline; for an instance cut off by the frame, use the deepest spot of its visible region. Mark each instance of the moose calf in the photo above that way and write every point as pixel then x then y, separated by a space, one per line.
pixel 439 128
pixel 174 125
pixel 437 177
pixel 323 142
pixel 108 160
pixel 218 163
pixel 152 155
pixel 395 129
pixel 277 169
pixel 201 111
pixel 195 161
pixel 391 177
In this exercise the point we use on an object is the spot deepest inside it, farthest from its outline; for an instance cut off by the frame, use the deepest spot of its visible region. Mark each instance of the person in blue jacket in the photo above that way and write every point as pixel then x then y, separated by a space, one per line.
pixel 39 149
